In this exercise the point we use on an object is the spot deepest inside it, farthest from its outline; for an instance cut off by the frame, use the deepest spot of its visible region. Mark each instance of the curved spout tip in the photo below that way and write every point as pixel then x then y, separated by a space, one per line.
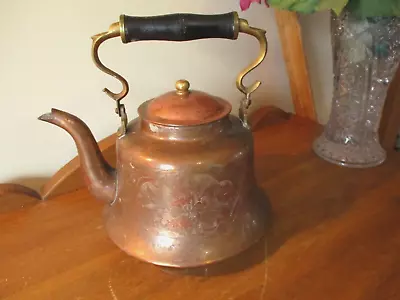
pixel 99 175
pixel 48 117
pixel 45 117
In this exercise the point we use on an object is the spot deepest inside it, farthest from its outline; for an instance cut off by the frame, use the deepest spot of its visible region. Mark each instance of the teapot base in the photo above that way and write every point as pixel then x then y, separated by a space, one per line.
pixel 197 254
pixel 254 255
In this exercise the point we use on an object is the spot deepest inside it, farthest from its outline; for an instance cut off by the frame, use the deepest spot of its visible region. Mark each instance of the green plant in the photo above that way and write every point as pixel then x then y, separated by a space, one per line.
pixel 361 8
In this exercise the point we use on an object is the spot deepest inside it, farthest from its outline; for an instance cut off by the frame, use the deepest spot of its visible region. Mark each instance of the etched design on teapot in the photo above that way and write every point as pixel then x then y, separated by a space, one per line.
pixel 196 204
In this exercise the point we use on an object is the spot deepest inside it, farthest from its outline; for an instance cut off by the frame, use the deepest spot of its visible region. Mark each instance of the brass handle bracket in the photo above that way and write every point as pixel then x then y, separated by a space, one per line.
pixel 260 35
pixel 119 29
pixel 115 30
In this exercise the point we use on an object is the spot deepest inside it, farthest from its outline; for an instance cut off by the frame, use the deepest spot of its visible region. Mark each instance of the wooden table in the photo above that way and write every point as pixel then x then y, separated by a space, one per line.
pixel 334 234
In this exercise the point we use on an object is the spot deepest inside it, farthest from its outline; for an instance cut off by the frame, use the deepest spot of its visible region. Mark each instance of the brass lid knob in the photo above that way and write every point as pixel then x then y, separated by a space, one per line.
pixel 182 87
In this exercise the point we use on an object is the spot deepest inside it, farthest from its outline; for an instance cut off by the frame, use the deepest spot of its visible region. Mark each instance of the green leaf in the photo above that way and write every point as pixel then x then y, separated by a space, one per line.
pixel 336 5
pixel 309 6
pixel 374 8
pixel 361 8
pixel 302 6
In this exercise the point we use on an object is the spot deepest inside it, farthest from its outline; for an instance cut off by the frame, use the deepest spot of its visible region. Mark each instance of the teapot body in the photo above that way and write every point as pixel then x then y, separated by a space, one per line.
pixel 185 195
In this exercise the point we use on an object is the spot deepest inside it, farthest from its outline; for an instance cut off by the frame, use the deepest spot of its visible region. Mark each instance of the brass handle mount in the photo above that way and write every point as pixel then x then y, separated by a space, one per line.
pixel 260 35
pixel 179 27
pixel 113 31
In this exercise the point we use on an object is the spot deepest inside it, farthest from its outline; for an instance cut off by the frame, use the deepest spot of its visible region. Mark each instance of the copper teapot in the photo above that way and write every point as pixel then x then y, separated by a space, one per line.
pixel 181 194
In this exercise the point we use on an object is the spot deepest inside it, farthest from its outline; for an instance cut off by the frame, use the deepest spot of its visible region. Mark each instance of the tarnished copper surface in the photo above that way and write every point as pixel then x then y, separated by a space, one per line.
pixel 182 195
pixel 188 202
pixel 184 107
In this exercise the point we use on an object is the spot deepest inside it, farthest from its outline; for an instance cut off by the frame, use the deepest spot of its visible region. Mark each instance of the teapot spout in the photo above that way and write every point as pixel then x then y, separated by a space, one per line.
pixel 99 175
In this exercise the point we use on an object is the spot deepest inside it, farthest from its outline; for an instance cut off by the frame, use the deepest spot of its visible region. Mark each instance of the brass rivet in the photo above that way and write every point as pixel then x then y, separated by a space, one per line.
pixel 182 87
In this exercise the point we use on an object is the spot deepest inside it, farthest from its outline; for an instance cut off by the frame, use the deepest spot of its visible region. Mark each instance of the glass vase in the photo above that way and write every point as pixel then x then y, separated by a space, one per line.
pixel 365 59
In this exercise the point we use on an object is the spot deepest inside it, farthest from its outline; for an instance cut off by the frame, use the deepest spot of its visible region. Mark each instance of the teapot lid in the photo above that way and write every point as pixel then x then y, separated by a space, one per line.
pixel 184 107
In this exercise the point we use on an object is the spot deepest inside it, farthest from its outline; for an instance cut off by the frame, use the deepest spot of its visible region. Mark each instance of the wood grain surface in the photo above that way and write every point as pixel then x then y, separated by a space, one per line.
pixel 18 189
pixel 296 65
pixel 15 196
pixel 334 233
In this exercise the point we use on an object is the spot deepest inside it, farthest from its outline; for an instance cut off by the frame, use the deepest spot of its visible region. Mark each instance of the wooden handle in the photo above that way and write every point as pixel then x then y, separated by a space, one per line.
pixel 179 27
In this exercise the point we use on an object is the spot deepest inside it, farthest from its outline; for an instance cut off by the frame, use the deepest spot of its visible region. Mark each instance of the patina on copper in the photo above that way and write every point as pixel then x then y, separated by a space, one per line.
pixel 185 107
pixel 183 191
